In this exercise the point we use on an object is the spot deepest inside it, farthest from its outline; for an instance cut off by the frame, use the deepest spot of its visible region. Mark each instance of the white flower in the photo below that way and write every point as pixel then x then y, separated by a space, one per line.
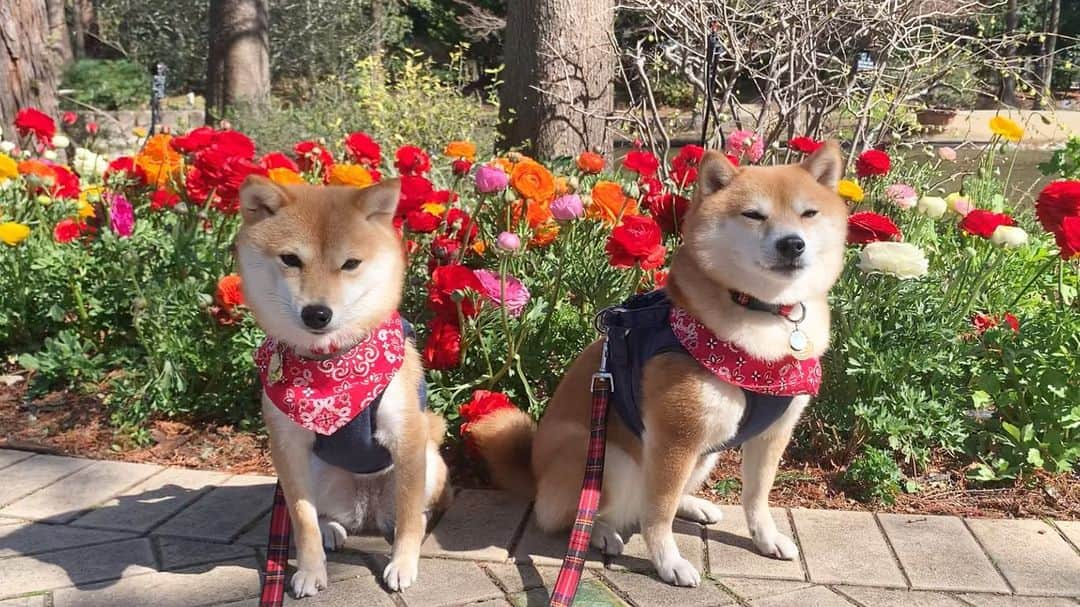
pixel 49 155
pixel 60 141
pixel 932 206
pixel 1009 237
pixel 88 164
pixel 900 259
pixel 7 146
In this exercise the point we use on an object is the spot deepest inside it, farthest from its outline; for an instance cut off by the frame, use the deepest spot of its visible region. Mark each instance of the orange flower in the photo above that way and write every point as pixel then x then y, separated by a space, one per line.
pixel 36 168
pixel 537 213
pixel 228 293
pixel 590 162
pixel 504 163
pixel 350 174
pixel 283 176
pixel 609 203
pixel 479 247
pixel 544 234
pixel 461 149
pixel 533 181
pixel 161 163
pixel 561 186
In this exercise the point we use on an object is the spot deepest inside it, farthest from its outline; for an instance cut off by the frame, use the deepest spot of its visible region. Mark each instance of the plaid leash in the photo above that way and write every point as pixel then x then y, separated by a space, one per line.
pixel 562 595
pixel 277 553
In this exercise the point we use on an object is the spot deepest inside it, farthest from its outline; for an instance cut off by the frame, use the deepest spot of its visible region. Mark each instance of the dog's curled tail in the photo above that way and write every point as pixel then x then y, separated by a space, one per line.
pixel 504 439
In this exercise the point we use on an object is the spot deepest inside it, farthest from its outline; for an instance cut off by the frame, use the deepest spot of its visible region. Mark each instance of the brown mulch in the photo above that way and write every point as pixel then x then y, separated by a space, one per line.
pixel 69 424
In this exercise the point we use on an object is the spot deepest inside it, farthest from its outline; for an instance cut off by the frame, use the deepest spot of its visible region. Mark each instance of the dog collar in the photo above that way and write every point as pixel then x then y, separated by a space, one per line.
pixel 800 344
pixel 323 395
pixel 749 301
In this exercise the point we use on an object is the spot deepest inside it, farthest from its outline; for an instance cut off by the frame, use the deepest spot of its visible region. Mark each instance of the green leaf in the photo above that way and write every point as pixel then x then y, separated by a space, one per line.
pixel 1034 458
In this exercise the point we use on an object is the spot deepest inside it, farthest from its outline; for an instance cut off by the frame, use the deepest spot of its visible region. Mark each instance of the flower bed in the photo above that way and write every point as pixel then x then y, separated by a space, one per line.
pixel 956 321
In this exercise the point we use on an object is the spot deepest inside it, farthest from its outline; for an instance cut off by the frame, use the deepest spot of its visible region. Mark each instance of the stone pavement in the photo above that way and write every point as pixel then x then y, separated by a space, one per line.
pixel 85 533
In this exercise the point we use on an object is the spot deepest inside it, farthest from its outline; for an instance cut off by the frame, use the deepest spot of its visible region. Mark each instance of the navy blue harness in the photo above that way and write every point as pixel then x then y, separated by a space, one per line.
pixel 638 330
pixel 353 447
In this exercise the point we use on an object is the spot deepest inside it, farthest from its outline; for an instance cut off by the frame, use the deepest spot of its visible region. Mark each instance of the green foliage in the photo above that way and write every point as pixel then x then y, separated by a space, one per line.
pixel 108 84
pixel 874 476
pixel 147 33
pixel 1064 163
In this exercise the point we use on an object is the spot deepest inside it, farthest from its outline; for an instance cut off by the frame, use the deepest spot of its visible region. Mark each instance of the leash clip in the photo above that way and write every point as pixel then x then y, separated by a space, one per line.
pixel 602 374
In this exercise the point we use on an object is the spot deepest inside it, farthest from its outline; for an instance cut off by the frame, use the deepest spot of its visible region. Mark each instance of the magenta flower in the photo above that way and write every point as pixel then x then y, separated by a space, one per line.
pixel 121 216
pixel 513 295
pixel 567 207
pixel 490 179
pixel 508 241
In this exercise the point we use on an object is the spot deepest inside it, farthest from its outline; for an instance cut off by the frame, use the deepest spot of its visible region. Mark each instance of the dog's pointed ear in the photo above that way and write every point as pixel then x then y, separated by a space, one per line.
pixel 379 201
pixel 260 198
pixel 714 173
pixel 826 164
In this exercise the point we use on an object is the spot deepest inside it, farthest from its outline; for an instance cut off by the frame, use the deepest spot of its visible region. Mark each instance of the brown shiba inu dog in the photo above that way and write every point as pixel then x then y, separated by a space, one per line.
pixel 323 270
pixel 756 240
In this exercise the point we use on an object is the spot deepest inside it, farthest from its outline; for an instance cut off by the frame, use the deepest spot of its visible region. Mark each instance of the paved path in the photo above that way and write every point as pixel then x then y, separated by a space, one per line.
pixel 85 533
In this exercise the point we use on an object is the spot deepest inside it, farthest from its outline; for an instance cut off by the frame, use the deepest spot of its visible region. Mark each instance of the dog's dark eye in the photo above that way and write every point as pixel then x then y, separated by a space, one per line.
pixel 350 264
pixel 754 215
pixel 291 260
pixel 810 213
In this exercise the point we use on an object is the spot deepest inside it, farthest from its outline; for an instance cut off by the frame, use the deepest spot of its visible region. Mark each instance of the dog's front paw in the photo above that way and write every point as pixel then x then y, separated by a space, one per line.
pixel 607 539
pixel 699 510
pixel 776 545
pixel 679 571
pixel 401 573
pixel 308 581
pixel 333 535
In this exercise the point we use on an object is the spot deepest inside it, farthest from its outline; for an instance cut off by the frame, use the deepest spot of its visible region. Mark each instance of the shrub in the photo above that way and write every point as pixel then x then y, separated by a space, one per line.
pixel 874 476
pixel 108 84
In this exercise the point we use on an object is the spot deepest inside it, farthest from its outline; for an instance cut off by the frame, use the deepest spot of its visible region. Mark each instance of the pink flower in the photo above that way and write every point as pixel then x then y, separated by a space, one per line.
pixel 745 143
pixel 513 294
pixel 508 241
pixel 490 179
pixel 567 207
pixel 946 153
pixel 121 216
pixel 902 195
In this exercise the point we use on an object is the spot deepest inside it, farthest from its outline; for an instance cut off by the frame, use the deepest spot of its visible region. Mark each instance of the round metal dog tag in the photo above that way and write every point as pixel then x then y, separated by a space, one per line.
pixel 798 341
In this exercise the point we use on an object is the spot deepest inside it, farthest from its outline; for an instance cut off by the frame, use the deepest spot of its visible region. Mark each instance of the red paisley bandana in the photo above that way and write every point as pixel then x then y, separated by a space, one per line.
pixel 784 377
pixel 324 395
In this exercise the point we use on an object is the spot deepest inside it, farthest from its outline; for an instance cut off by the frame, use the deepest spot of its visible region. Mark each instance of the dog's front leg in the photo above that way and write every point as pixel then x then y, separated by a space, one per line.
pixel 291 451
pixel 668 465
pixel 410 469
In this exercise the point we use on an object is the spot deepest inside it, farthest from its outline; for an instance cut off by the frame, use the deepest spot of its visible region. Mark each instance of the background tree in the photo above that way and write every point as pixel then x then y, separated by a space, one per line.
pixel 238 64
pixel 557 94
pixel 27 70
pixel 1053 23
pixel 1008 77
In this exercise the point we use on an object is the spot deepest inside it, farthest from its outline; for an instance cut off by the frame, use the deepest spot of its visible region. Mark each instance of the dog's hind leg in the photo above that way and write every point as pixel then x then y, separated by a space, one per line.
pixel 694 508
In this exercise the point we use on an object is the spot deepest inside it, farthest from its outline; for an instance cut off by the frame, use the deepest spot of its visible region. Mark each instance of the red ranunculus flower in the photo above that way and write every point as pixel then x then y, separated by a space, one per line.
pixel 461 166
pixel 733 159
pixel 69 118
pixel 363 149
pixel 980 222
pixel 659 278
pixel 422 221
pixel 1057 201
pixel 461 226
pixel 277 160
pixel 483 403
pixel 642 162
pixel 67 182
pixel 867 227
pixel 411 160
pixel 195 140
pixel 442 349
pixel 310 154
pixel 684 166
pixel 669 211
pixel 872 163
pixel 29 121
pixel 228 293
pixel 444 249
pixel 69 229
pixel 445 282
pixel 126 167
pixel 984 322
pixel 163 199
pixel 1068 237
pixel 415 192
pixel 636 241
pixel 806 145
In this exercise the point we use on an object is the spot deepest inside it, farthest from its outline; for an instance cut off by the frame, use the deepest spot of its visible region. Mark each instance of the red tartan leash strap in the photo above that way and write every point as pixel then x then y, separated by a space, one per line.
pixel 277 552
pixel 562 595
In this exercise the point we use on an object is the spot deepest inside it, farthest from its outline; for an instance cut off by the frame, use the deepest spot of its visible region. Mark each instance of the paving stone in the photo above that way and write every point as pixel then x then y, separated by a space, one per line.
pixel 731 552
pixel 635 555
pixel 845 548
pixel 11 456
pixel 646 590
pixel 179 553
pixel 1031 555
pixel 1071 529
pixel 223 512
pixel 540 548
pixel 31 538
pixel 147 504
pixel 751 588
pixel 939 553
pixel 997 600
pixel 590 594
pixel 886 597
pixel 196 586
pixel 515 578
pixel 76 566
pixel 37 600
pixel 492 603
pixel 480 525
pixel 445 582
pixel 36 472
pixel 67 498
pixel 817 596
pixel 357 591
pixel 548 549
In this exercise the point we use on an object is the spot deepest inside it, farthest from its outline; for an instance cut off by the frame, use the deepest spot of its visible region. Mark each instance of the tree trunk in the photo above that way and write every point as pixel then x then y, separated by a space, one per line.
pixel 26 66
pixel 559 66
pixel 238 63
pixel 1053 23
pixel 59 36
pixel 1008 79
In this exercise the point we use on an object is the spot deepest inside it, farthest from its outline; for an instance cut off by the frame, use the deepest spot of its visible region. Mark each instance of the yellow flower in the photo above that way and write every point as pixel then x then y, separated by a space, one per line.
pixel 434 208
pixel 13 233
pixel 85 209
pixel 461 149
pixel 139 132
pixel 283 176
pixel 850 190
pixel 9 169
pixel 1007 128
pixel 350 174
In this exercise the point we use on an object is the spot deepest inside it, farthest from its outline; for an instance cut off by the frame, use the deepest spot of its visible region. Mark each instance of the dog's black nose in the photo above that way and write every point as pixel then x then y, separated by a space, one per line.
pixel 791 247
pixel 316 316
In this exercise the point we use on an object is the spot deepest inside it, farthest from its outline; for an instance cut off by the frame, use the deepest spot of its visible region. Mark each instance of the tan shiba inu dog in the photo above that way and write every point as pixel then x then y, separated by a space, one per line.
pixel 323 270
pixel 776 234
